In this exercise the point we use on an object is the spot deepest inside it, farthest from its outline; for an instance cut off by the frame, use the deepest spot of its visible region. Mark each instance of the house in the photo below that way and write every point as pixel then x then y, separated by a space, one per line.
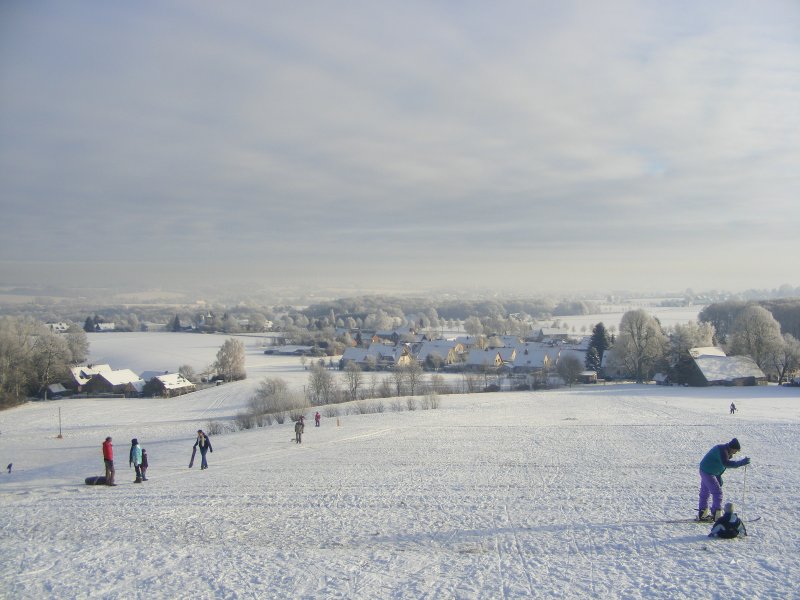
pixel 442 352
pixel 82 375
pixel 59 327
pixel 377 356
pixel 170 385
pixel 588 377
pixel 712 367
pixel 532 357
pixel 478 359
pixel 113 382
pixel 552 334
pixel 54 391
pixel 290 350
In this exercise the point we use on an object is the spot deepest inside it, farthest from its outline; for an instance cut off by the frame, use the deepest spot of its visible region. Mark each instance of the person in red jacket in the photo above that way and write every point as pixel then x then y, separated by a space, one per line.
pixel 108 460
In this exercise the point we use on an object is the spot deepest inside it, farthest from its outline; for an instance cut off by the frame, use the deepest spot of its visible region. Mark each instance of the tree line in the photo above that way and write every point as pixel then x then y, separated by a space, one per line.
pixel 643 347
pixel 32 357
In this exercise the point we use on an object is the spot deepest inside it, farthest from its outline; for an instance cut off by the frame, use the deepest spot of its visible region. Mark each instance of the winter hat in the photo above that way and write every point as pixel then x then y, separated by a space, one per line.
pixel 134 441
pixel 734 444
pixel 729 507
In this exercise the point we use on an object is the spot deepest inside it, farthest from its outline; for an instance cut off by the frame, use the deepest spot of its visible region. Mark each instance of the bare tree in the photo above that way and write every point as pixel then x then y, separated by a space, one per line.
pixel 570 368
pixel 321 385
pixel 413 375
pixel 353 378
pixel 187 371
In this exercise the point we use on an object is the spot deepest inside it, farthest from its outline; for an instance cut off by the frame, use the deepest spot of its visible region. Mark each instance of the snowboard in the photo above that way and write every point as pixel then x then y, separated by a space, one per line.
pixel 191 460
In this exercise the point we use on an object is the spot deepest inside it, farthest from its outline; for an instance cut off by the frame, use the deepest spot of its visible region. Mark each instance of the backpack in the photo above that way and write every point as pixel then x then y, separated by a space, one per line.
pixel 728 526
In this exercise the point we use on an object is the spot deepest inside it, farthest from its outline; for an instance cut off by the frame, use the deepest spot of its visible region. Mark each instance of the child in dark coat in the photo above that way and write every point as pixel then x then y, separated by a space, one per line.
pixel 729 525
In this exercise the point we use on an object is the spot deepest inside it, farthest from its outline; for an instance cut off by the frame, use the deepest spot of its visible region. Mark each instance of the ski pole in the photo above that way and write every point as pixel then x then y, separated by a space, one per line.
pixel 744 487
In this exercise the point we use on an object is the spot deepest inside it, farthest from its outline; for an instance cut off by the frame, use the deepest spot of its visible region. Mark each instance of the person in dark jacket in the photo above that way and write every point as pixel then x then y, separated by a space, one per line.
pixel 108 461
pixel 144 464
pixel 712 467
pixel 729 525
pixel 204 445
pixel 298 431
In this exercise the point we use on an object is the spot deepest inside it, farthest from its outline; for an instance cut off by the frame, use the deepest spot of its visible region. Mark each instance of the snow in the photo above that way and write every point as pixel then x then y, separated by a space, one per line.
pixel 504 495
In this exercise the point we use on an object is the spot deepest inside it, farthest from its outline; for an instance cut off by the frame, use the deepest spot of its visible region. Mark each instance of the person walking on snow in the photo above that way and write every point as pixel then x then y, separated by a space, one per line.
pixel 144 464
pixel 135 459
pixel 108 461
pixel 733 408
pixel 712 467
pixel 316 419
pixel 204 445
pixel 298 431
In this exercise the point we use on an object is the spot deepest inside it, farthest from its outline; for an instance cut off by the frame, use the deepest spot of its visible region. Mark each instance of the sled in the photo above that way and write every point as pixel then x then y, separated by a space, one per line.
pixel 191 460
pixel 96 480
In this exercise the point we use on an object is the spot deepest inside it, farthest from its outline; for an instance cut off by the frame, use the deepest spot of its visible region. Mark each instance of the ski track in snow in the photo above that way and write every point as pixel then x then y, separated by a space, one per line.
pixel 510 495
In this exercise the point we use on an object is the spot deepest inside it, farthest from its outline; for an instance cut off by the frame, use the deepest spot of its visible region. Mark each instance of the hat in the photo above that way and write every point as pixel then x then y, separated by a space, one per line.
pixel 134 441
pixel 729 507
pixel 734 444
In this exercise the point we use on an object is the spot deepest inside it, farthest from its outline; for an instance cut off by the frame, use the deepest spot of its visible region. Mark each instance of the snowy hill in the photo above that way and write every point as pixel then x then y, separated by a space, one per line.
pixel 510 495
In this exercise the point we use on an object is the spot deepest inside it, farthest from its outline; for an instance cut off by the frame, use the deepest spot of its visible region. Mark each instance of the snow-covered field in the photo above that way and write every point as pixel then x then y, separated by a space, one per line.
pixel 512 495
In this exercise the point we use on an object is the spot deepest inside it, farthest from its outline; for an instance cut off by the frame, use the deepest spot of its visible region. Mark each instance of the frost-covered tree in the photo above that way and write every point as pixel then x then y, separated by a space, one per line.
pixel 640 345
pixel 756 334
pixel 785 358
pixel 321 385
pixel 230 360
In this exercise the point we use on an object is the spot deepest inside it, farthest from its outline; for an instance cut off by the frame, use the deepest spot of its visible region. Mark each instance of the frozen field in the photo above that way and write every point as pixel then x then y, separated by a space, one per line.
pixel 510 495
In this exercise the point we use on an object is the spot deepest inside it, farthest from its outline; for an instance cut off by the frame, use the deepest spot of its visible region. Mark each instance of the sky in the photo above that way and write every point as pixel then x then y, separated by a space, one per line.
pixel 524 146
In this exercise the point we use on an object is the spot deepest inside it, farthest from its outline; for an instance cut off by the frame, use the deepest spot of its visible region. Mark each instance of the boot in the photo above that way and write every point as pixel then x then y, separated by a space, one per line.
pixel 717 514
pixel 704 515
pixel 138 480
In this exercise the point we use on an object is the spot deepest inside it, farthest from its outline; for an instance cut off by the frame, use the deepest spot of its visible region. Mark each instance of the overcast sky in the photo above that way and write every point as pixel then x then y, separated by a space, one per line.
pixel 518 145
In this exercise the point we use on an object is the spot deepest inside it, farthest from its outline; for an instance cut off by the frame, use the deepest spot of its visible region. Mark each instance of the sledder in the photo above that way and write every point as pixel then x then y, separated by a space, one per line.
pixel 729 525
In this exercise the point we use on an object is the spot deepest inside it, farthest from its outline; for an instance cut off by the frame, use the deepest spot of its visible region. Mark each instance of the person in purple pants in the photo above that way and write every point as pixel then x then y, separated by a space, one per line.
pixel 712 467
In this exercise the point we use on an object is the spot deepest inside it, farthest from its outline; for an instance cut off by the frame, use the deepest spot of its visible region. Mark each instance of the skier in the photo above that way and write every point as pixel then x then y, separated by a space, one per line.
pixel 733 408
pixel 108 461
pixel 316 419
pixel 712 467
pixel 728 525
pixel 135 459
pixel 204 444
pixel 144 464
pixel 298 431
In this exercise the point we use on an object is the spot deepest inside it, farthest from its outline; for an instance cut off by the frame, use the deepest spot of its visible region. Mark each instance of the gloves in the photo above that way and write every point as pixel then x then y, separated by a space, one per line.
pixel 719 479
pixel 744 462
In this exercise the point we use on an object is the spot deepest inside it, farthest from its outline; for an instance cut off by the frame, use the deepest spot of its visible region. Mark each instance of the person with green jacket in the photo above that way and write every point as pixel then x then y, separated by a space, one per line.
pixel 712 467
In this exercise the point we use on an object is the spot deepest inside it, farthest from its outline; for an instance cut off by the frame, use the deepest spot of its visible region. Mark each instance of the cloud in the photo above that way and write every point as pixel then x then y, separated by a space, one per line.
pixel 389 134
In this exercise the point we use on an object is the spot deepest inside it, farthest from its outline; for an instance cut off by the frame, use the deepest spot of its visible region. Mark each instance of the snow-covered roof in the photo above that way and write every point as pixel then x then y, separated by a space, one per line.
pixel 119 377
pixel 706 351
pixel 728 368
pixel 83 374
pixel 174 381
